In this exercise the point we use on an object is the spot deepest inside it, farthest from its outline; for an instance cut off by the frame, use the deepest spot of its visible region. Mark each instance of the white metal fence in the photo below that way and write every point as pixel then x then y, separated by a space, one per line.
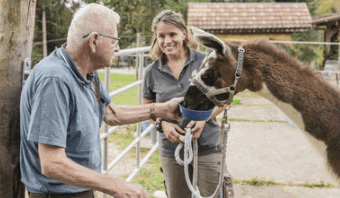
pixel 107 166
pixel 333 77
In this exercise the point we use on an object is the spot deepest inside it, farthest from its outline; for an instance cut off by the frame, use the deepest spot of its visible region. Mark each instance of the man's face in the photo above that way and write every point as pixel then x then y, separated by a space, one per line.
pixel 108 47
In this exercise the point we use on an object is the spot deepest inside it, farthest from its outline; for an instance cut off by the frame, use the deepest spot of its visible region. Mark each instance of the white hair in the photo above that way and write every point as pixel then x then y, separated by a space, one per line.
pixel 91 18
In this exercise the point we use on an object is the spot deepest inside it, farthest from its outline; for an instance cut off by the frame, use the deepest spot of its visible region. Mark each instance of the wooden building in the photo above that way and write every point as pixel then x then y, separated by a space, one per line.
pixel 274 21
pixel 330 24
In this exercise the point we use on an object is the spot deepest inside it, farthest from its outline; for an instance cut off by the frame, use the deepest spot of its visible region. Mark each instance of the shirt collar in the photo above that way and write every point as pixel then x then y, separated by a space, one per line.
pixel 70 62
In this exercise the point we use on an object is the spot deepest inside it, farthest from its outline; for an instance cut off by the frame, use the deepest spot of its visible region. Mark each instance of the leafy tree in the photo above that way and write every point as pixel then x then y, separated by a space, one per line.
pixel 328 7
pixel 181 6
pixel 58 18
pixel 136 17
pixel 308 53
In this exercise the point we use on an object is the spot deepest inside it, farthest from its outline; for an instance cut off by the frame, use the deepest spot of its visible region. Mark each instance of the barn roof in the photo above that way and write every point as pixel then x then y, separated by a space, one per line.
pixel 250 17
pixel 329 18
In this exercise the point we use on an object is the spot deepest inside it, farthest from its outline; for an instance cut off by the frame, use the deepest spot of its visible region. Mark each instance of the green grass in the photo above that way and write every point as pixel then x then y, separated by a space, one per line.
pixel 236 100
pixel 255 181
pixel 317 185
pixel 124 135
pixel 150 176
pixel 117 81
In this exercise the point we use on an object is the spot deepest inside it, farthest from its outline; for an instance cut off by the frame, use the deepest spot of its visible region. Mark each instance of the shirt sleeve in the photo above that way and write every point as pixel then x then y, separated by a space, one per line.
pixel 50 112
pixel 148 93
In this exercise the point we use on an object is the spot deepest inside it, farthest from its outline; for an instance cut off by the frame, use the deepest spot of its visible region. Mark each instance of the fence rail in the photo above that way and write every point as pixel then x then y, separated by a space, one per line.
pixel 330 76
pixel 107 166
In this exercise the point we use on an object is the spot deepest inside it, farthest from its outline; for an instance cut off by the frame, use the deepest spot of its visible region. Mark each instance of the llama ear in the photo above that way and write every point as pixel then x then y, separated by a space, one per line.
pixel 210 41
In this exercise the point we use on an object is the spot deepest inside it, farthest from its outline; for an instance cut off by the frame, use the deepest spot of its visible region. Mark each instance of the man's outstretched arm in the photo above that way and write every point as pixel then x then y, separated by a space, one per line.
pixel 127 114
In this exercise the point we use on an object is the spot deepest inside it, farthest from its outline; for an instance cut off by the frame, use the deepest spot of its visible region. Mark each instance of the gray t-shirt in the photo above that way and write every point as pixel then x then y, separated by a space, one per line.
pixel 59 107
pixel 161 85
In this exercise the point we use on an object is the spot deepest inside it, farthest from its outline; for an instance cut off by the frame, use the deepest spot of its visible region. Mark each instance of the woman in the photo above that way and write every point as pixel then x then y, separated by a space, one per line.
pixel 168 77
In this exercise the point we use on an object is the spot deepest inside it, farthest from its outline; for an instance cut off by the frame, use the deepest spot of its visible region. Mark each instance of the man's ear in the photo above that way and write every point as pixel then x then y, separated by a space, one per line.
pixel 93 42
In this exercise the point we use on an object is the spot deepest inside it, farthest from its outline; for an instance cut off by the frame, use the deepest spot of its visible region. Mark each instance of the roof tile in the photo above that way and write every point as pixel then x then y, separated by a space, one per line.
pixel 272 17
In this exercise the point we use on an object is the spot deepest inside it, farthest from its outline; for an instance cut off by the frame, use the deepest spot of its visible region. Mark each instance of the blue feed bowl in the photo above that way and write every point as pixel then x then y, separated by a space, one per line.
pixel 195 115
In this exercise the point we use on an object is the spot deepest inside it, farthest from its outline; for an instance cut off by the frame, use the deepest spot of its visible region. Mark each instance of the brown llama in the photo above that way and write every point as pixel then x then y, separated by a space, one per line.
pixel 310 102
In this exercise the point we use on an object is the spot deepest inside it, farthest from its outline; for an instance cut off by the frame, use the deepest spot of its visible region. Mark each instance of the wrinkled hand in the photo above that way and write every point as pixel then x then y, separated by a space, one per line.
pixel 172 132
pixel 171 109
pixel 130 190
pixel 196 128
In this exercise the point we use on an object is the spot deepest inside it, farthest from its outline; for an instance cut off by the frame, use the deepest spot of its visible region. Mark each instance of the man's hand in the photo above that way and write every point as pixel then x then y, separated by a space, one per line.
pixel 56 165
pixel 130 190
pixel 170 109
pixel 197 128
pixel 172 132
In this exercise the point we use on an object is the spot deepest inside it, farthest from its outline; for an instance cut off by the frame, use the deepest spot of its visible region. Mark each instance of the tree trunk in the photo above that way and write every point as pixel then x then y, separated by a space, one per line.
pixel 16 37
pixel 44 31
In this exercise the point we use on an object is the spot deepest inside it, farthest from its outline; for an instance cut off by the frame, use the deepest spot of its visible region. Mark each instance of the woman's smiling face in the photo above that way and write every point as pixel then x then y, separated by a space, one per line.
pixel 170 39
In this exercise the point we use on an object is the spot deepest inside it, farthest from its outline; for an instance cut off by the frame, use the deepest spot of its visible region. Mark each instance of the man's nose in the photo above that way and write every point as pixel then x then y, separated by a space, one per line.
pixel 117 49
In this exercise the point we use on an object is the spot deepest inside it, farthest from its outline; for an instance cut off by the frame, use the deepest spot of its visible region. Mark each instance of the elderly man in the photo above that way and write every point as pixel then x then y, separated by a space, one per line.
pixel 62 107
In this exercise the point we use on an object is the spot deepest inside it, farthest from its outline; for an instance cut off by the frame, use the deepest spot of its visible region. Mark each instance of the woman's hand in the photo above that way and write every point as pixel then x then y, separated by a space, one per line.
pixel 172 132
pixel 196 128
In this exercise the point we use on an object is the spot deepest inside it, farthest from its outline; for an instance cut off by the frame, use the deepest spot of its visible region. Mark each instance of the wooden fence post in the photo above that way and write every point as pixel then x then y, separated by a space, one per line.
pixel 16 38
pixel 138 43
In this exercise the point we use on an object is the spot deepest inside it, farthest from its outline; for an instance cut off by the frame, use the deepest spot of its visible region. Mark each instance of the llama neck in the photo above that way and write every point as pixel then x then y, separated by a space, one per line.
pixel 310 102
pixel 298 87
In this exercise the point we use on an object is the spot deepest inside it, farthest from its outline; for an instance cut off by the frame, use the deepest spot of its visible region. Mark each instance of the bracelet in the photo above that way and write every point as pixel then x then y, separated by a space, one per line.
pixel 153 112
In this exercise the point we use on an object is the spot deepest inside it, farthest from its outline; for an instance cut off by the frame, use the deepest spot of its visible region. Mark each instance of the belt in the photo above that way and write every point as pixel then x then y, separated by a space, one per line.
pixel 85 194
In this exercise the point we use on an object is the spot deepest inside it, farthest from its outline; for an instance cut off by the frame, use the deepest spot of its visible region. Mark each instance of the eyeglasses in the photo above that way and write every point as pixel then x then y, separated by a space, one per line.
pixel 103 35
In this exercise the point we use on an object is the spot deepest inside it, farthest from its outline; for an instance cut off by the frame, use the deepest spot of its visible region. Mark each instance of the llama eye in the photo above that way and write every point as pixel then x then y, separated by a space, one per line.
pixel 209 78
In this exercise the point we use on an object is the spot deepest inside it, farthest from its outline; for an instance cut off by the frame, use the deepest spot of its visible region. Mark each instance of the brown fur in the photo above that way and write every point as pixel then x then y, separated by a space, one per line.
pixel 289 81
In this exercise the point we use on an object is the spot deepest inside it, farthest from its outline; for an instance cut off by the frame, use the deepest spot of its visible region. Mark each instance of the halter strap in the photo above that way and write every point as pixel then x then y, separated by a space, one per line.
pixel 212 92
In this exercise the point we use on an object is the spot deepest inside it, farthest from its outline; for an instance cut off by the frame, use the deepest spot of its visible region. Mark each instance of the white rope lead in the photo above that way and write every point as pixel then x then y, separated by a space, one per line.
pixel 192 154
pixel 189 150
